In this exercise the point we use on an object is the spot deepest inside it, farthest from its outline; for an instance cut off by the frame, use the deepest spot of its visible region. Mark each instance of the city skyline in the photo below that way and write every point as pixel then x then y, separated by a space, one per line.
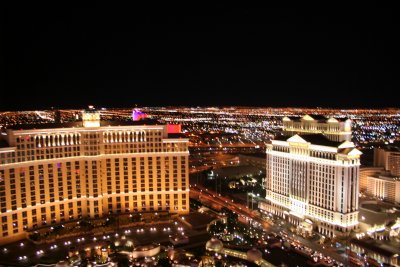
pixel 217 57
pixel 220 135
pixel 70 179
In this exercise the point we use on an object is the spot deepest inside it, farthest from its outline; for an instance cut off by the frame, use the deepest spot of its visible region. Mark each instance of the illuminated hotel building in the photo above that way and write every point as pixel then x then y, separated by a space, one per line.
pixel 335 129
pixel 366 172
pixel 312 177
pixel 388 158
pixel 384 187
pixel 54 173
pixel 383 180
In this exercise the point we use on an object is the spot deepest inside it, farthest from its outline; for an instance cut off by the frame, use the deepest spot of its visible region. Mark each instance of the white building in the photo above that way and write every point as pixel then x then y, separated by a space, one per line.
pixel 310 178
pixel 52 173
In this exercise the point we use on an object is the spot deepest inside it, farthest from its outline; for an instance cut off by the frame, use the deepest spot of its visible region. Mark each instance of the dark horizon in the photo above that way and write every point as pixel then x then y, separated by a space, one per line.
pixel 271 57
pixel 48 108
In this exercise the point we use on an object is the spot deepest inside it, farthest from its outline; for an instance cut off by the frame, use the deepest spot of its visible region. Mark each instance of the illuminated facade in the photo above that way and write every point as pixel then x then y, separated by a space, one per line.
pixel 335 129
pixel 310 178
pixel 383 180
pixel 365 172
pixel 57 173
pixel 384 187
pixel 388 158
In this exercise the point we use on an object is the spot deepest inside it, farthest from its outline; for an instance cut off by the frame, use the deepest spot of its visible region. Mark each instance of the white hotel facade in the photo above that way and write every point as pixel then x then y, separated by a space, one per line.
pixel 312 179
pixel 57 173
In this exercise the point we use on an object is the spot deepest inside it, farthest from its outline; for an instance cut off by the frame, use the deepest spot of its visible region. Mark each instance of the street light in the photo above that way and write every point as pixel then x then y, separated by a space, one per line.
pixel 216 184
pixel 252 195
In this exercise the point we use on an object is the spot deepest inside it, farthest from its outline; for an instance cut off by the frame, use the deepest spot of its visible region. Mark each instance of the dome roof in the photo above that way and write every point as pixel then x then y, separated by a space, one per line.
pixel 214 245
pixel 254 255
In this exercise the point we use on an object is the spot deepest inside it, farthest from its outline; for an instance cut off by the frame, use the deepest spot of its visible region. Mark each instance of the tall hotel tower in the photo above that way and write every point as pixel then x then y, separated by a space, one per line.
pixel 52 173
pixel 312 176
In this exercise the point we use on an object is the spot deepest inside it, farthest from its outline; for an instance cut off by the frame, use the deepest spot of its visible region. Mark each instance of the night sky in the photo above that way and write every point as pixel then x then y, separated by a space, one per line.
pixel 198 56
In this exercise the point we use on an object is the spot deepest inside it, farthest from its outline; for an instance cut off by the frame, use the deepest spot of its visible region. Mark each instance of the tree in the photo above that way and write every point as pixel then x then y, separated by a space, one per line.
pixel 124 262
pixel 163 262
pixel 217 227
pixel 232 219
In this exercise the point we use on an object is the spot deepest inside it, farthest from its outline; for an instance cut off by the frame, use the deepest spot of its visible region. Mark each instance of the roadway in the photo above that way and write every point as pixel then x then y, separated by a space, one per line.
pixel 203 193
pixel 327 251
pixel 239 145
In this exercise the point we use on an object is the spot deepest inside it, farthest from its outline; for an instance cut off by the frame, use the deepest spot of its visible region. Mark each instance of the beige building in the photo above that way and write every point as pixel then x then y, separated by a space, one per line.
pixel 384 187
pixel 366 172
pixel 383 180
pixel 388 158
pixel 313 178
pixel 54 173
